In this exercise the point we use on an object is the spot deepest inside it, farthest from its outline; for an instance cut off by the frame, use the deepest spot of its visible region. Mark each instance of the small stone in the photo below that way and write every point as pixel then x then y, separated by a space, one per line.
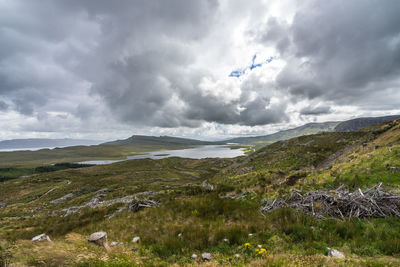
pixel 335 253
pixel 136 239
pixel 206 256
pixel 194 256
pixel 206 185
pixel 114 243
pixel 237 255
pixel 41 238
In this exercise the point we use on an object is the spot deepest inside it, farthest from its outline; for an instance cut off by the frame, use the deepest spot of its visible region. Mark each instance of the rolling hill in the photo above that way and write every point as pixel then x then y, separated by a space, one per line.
pixel 158 140
pixel 310 128
pixel 357 124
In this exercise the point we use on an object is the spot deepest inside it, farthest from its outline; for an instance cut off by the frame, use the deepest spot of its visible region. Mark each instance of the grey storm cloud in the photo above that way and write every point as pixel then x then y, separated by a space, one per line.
pixel 144 66
pixel 338 50
pixel 319 110
pixel 140 59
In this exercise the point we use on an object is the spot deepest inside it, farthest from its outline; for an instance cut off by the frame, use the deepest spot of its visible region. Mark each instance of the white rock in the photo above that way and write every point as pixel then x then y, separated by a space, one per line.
pixel 206 256
pixel 194 256
pixel 136 239
pixel 207 185
pixel 335 253
pixel 114 243
pixel 41 238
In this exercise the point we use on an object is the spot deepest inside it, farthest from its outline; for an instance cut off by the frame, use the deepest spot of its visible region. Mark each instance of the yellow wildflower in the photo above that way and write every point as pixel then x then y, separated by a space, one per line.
pixel 247 245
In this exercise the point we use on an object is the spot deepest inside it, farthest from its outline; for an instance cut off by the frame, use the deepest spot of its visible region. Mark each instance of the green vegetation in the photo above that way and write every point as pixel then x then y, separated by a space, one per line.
pixel 223 221
pixel 13 172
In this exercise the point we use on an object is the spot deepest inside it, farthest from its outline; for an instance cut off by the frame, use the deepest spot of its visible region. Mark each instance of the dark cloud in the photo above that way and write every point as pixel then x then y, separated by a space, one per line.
pixel 338 50
pixel 312 110
pixel 144 69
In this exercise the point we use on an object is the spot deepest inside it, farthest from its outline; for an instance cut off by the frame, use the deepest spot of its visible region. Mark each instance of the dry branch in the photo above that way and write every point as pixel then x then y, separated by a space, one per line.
pixel 373 202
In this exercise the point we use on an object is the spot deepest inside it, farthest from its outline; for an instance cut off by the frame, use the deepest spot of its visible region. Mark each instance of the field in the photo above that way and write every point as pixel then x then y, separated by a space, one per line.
pixel 209 205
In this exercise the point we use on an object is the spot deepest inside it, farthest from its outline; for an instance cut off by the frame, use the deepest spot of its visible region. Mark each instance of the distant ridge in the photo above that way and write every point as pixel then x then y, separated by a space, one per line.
pixel 154 140
pixel 357 124
pixel 313 128
pixel 310 128
pixel 44 142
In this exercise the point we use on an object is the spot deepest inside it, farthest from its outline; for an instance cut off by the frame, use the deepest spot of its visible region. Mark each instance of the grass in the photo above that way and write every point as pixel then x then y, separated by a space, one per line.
pixel 192 219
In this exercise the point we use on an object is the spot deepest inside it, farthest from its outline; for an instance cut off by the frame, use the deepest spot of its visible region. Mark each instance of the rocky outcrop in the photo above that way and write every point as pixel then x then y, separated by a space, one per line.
pixel 63 199
pixel 244 170
pixel 135 206
pixel 96 202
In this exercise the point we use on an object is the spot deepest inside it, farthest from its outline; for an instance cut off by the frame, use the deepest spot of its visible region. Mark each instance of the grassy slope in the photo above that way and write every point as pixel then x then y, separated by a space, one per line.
pixel 204 217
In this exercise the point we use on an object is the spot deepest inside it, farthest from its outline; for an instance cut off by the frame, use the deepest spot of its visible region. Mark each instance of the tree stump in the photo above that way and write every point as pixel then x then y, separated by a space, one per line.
pixel 100 239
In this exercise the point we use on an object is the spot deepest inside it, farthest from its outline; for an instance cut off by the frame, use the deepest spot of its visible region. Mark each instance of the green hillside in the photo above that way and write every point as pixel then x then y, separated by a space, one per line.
pixel 209 205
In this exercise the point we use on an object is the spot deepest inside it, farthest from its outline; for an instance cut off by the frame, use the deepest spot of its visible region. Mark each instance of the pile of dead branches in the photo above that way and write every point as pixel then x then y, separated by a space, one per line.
pixel 373 202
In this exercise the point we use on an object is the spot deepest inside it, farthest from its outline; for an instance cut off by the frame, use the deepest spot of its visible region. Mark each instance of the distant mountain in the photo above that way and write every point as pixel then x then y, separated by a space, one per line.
pixel 307 129
pixel 43 143
pixel 159 140
pixel 310 128
pixel 313 128
pixel 356 124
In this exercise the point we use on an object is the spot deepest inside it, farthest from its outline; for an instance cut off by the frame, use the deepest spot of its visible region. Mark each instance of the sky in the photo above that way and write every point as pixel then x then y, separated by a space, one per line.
pixel 208 69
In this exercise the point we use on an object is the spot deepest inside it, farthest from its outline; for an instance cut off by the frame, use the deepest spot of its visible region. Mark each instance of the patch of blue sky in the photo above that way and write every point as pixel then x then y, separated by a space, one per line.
pixel 240 72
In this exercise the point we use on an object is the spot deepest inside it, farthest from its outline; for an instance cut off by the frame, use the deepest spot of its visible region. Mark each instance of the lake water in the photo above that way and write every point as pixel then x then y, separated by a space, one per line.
pixel 212 151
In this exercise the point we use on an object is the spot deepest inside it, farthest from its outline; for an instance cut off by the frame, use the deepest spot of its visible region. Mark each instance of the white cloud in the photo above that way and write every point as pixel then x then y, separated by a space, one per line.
pixel 106 70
